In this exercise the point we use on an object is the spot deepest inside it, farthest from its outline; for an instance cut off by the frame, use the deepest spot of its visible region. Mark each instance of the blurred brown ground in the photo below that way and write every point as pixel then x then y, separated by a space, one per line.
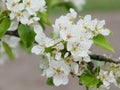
pixel 24 73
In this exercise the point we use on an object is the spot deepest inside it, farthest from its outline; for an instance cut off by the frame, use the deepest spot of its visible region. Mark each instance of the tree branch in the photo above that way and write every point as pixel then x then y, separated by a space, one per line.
pixel 92 56
pixel 12 33
pixel 104 58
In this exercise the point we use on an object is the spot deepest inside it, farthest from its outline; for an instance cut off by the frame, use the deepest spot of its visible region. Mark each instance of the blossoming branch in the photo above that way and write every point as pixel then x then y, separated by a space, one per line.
pixel 67 51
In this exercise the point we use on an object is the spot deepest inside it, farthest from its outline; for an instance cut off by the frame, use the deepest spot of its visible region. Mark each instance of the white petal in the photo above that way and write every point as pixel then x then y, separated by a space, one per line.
pixel 106 84
pixel 111 78
pixel 87 59
pixel 60 46
pixel 44 63
pixel 74 67
pixel 87 17
pixel 83 53
pixel 66 55
pixel 50 72
pixel 58 56
pixel 69 46
pixel 101 23
pixel 37 50
pixel 38 29
pixel 60 80
pixel 105 32
pixel 14 25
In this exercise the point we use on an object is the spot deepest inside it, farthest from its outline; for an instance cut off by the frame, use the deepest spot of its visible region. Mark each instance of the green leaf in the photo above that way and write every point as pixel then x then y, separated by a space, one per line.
pixel 8 51
pixel 102 42
pixel 2 16
pixel 26 49
pixel 42 25
pixel 4 25
pixel 44 19
pixel 88 80
pixel 50 81
pixel 26 34
pixel 53 34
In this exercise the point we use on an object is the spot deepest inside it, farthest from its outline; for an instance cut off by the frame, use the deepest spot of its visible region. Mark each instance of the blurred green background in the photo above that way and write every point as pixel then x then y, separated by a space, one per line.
pixel 58 7
pixel 101 5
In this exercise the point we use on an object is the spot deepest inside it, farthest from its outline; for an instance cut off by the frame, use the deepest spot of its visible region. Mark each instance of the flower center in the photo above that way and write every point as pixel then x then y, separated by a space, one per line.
pixel 69 36
pixel 13 4
pixel 58 70
pixel 28 3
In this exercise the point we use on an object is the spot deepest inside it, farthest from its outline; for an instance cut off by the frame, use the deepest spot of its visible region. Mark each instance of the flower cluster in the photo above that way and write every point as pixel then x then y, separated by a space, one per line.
pixel 20 12
pixel 68 51
pixel 24 11
pixel 110 76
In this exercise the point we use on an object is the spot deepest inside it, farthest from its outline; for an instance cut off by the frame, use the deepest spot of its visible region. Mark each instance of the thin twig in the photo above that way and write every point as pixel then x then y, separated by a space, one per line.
pixel 12 33
pixel 105 59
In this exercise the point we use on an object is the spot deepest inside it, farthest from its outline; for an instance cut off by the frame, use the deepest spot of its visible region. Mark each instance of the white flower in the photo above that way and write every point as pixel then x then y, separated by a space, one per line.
pixel 61 23
pixel 42 40
pixel 72 15
pixel 21 16
pixel 79 49
pixel 100 28
pixel 14 5
pixel 64 22
pixel 59 71
pixel 103 76
pixel 107 78
pixel 93 27
pixel 115 72
pixel 33 6
pixel 71 34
